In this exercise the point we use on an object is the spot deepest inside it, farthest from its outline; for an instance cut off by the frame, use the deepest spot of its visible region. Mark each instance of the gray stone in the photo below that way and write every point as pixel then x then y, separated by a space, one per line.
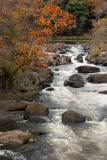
pixel 71 117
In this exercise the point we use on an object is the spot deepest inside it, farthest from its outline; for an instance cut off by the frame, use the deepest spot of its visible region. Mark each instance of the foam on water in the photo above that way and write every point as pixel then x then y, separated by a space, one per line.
pixel 10 154
pixel 86 141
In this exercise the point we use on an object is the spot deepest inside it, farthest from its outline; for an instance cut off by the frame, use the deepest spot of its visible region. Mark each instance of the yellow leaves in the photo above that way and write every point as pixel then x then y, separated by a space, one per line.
pixel 41 20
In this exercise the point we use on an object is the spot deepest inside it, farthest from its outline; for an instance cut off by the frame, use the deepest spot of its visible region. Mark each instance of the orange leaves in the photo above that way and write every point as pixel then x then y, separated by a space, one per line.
pixel 44 65
pixel 56 19
pixel 33 23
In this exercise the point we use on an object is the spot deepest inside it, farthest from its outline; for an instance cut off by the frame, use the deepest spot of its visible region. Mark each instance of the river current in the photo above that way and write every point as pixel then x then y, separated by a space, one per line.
pixel 84 141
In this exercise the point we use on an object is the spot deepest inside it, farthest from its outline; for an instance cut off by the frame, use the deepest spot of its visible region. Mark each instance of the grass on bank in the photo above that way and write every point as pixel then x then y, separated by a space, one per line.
pixel 71 38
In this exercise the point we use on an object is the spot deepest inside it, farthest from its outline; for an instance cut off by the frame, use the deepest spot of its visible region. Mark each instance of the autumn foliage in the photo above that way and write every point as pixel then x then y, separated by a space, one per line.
pixel 26 25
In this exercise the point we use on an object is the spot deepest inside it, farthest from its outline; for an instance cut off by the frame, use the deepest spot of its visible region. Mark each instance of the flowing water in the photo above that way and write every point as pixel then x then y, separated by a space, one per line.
pixel 84 141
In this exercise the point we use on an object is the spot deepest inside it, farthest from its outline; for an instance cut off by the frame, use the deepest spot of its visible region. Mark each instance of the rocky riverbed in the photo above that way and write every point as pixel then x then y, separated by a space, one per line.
pixel 65 112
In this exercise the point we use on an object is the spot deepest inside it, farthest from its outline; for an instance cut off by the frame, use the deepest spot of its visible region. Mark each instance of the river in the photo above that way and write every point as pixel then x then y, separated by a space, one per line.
pixel 84 141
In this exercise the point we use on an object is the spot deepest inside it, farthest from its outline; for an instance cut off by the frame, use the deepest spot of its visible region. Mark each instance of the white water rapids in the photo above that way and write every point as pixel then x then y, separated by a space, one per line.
pixel 85 141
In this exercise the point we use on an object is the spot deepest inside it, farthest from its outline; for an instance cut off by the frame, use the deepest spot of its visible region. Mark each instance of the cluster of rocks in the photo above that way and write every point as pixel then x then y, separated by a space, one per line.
pixel 101 59
pixel 37 81
pixel 77 81
pixel 11 110
pixel 57 60
pixel 64 49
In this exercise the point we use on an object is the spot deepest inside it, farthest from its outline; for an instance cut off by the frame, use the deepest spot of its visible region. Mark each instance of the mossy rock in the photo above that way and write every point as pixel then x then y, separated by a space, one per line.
pixel 6 69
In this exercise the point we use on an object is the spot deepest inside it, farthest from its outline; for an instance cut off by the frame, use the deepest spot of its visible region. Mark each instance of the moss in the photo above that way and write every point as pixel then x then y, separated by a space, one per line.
pixel 6 69
pixel 30 68
pixel 95 51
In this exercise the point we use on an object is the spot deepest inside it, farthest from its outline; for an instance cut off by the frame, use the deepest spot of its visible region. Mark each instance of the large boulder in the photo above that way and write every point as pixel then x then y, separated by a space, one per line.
pixel 16 138
pixel 101 59
pixel 35 109
pixel 97 78
pixel 75 81
pixel 87 69
pixel 71 117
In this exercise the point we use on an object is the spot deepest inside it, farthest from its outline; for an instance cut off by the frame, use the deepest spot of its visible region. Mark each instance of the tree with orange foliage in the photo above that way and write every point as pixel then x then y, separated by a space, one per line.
pixel 99 31
pixel 26 25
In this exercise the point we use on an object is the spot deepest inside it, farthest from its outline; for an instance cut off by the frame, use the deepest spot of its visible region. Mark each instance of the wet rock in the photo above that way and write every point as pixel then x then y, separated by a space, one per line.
pixel 46 77
pixel 64 49
pixel 105 63
pixel 9 155
pixel 79 58
pixel 98 78
pixel 59 60
pixel 101 59
pixel 71 117
pixel 75 77
pixel 87 69
pixel 35 109
pixel 103 92
pixel 44 85
pixel 50 89
pixel 75 81
pixel 16 138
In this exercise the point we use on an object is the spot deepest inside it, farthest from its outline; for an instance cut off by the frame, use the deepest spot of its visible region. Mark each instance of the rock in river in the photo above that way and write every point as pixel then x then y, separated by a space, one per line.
pixel 50 89
pixel 71 117
pixel 103 92
pixel 87 69
pixel 35 109
pixel 101 59
pixel 16 138
pixel 75 81
pixel 98 78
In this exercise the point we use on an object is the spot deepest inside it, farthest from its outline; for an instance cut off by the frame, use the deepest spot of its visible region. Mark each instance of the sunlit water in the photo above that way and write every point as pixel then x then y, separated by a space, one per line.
pixel 84 141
